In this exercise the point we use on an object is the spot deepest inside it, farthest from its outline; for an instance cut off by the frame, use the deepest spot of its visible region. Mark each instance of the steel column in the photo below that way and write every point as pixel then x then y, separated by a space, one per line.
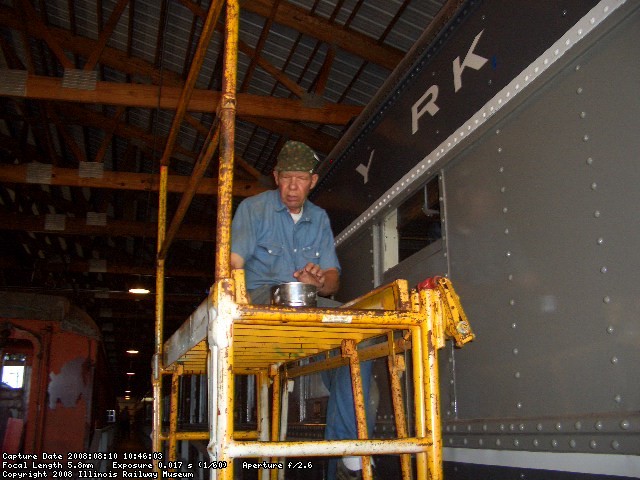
pixel 156 379
pixel 396 365
pixel 349 350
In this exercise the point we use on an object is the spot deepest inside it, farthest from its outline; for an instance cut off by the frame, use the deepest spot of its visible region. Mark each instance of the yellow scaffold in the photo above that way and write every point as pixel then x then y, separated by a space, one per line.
pixel 227 336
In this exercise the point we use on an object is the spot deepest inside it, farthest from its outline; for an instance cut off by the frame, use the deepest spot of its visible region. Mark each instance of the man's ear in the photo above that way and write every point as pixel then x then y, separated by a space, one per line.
pixel 314 180
pixel 275 176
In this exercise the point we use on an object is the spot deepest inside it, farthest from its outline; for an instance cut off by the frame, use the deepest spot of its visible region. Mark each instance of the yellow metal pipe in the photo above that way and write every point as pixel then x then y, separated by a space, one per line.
pixel 432 387
pixel 396 365
pixel 349 350
pixel 221 343
pixel 173 415
pixel 159 322
pixel 327 317
pixel 227 119
pixel 419 398
pixel 367 353
pixel 328 448
pixel 275 413
pixel 263 416
pixel 204 435
pixel 221 332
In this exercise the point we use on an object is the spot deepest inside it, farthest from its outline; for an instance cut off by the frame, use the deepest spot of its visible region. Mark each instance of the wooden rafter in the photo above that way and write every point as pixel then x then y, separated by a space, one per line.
pixel 115 228
pixel 35 22
pixel 317 27
pixel 105 34
pixel 127 181
pixel 149 96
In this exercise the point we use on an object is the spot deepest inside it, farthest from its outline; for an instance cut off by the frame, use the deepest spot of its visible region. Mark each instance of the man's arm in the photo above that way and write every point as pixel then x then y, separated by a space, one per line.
pixel 331 282
pixel 236 261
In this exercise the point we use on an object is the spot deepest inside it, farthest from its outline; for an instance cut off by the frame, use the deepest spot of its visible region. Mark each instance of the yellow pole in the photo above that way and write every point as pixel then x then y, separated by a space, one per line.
pixel 227 116
pixel 419 397
pixel 432 387
pixel 156 379
pixel 275 413
pixel 221 333
pixel 173 414
pixel 396 365
pixel 349 350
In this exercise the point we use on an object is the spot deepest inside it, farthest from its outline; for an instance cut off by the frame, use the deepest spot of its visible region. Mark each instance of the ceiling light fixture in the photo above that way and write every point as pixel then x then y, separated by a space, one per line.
pixel 138 287
pixel 131 373
pixel 132 351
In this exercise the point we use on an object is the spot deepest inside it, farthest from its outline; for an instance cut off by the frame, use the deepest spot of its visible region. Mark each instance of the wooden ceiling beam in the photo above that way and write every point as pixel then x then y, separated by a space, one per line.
pixel 36 23
pixel 275 72
pixel 105 34
pixel 81 266
pixel 146 96
pixel 127 181
pixel 317 27
pixel 112 228
pixel 80 115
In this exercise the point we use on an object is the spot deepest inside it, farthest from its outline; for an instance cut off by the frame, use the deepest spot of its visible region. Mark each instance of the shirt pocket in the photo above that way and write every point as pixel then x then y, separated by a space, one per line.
pixel 311 253
pixel 269 254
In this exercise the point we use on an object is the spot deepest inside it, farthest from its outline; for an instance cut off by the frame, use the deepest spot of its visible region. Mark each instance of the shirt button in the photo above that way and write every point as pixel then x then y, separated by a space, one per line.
pixel 270 251
pixel 295 250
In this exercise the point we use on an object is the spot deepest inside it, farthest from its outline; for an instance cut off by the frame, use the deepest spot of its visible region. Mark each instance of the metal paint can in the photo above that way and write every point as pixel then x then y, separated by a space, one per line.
pixel 294 294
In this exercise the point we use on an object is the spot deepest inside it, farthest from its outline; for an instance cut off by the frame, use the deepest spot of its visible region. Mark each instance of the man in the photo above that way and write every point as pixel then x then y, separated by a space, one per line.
pixel 279 236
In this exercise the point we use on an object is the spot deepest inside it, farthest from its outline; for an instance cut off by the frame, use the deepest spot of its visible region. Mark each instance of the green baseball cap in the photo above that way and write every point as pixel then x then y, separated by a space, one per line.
pixel 296 157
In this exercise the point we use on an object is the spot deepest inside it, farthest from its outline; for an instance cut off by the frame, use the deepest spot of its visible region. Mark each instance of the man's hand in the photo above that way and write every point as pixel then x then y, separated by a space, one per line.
pixel 327 281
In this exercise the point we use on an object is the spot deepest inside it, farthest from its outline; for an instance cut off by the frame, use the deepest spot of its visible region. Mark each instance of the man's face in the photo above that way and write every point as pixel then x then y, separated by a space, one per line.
pixel 294 188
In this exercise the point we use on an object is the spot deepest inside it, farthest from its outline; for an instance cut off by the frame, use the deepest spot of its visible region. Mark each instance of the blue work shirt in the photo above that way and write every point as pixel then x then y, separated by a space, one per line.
pixel 273 246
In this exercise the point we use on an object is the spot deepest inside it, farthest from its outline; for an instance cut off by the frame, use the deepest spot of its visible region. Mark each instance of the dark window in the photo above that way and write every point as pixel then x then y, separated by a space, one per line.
pixel 419 220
